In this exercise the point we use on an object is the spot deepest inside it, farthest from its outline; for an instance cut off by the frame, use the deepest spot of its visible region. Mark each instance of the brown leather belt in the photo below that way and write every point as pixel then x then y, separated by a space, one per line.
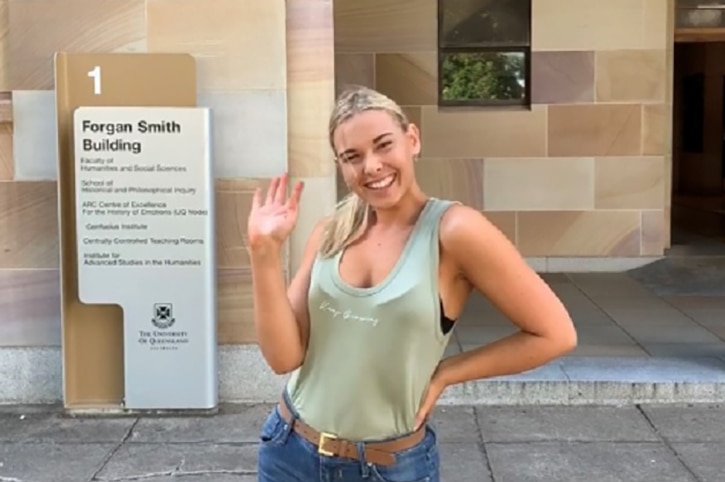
pixel 379 453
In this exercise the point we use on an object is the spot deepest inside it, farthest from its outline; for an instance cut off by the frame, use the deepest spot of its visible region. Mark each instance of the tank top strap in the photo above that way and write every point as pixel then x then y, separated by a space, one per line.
pixel 427 246
pixel 430 223
pixel 436 211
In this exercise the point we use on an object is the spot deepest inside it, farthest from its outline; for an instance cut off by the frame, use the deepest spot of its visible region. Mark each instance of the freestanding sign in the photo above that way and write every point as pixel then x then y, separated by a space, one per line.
pixel 145 229
pixel 136 218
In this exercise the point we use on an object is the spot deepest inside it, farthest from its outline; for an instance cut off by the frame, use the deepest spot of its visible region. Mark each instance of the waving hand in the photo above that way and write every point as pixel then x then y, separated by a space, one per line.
pixel 272 219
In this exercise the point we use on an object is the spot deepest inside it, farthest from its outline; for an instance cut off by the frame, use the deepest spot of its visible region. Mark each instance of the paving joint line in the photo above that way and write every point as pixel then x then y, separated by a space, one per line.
pixel 555 441
pixel 481 443
pixel 113 452
pixel 176 475
pixel 596 305
pixel 667 444
pixel 196 442
pixel 684 313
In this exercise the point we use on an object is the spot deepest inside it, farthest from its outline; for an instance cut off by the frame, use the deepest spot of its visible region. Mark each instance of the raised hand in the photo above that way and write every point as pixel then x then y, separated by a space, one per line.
pixel 271 220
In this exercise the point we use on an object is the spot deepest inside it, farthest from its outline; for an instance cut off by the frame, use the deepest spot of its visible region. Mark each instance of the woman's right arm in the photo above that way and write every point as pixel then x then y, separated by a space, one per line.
pixel 282 319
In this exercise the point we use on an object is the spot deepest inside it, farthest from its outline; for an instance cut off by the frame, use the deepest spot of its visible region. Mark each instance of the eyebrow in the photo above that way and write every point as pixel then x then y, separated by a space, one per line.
pixel 377 139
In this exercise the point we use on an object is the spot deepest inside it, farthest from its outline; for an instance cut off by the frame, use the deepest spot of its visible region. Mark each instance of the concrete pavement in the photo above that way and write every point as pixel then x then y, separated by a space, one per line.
pixel 651 443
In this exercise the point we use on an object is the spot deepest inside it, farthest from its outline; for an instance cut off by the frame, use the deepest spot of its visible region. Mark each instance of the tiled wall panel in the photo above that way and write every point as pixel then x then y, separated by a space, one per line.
pixel 629 182
pixel 39 28
pixel 390 26
pixel 585 171
pixel 595 130
pixel 250 132
pixel 656 129
pixel 234 305
pixel 456 179
pixel 265 67
pixel 7 169
pixel 539 184
pixel 409 78
pixel 233 203
pixel 4 60
pixel 33 119
pixel 30 307
pixel 588 24
pixel 562 77
pixel 616 81
pixel 579 233
pixel 483 133
pixel 653 231
pixel 225 36
pixel 354 69
pixel 29 226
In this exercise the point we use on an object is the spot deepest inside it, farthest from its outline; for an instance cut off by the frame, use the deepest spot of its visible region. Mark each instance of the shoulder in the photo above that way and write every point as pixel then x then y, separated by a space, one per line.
pixel 321 225
pixel 462 224
pixel 465 231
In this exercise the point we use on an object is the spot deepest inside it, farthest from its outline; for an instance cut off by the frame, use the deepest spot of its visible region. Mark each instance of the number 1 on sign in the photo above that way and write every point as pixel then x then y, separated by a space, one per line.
pixel 95 74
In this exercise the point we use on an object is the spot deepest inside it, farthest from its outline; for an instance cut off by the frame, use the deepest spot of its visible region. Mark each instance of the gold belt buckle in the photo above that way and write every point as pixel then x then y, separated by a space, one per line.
pixel 320 444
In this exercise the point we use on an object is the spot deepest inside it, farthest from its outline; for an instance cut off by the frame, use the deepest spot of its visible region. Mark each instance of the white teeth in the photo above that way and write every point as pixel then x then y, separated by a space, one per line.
pixel 383 183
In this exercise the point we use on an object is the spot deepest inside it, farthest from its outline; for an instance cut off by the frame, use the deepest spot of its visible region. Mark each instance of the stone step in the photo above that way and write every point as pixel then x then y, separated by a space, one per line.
pixel 568 381
pixel 36 378
pixel 601 381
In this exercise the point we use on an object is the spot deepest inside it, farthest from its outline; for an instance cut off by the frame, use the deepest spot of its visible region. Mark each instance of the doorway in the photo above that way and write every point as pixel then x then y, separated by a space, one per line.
pixel 698 148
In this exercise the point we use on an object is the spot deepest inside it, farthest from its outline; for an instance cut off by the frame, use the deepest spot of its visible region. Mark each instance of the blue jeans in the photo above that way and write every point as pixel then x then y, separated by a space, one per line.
pixel 285 456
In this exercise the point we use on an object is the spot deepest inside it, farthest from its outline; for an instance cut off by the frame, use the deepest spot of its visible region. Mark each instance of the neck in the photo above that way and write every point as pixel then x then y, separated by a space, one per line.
pixel 404 213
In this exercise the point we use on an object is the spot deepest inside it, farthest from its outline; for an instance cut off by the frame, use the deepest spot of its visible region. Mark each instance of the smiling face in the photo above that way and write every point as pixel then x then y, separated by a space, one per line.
pixel 375 154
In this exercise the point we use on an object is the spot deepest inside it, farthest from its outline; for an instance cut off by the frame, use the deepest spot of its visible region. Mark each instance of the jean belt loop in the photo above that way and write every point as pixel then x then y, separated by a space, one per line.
pixel 364 465
pixel 294 416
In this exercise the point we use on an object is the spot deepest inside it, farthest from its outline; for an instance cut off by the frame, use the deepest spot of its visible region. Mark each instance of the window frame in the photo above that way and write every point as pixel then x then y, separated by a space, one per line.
pixel 502 47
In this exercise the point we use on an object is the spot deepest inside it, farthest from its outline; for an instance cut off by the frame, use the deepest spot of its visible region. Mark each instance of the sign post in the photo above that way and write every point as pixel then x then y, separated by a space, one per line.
pixel 136 219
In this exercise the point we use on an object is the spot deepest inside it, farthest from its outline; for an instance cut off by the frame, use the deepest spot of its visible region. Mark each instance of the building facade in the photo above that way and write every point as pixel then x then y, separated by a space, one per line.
pixel 577 178
pixel 575 167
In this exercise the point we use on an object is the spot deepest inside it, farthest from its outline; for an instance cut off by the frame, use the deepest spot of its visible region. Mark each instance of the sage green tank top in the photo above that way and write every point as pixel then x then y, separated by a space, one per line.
pixel 372 351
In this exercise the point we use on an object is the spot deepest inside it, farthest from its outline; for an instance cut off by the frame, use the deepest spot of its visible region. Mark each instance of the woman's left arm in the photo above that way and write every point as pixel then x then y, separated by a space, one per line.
pixel 493 266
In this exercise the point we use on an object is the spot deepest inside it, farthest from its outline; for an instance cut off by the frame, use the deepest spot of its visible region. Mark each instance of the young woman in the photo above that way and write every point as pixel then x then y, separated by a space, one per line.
pixel 364 323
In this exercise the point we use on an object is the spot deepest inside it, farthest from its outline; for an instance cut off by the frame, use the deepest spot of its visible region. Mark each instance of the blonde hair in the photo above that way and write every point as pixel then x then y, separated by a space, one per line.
pixel 352 214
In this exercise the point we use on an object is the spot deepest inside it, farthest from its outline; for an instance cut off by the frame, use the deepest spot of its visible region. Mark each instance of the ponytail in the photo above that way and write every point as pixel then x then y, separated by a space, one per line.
pixel 350 219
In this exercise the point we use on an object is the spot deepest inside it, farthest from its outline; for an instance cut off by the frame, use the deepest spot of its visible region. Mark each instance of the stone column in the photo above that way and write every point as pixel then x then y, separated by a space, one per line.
pixel 310 98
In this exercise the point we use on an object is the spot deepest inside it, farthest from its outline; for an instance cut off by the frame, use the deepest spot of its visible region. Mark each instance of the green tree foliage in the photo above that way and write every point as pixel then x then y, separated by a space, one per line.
pixel 487 76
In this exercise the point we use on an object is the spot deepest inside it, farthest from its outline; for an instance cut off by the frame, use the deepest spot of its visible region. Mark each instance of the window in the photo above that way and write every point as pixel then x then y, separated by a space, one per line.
pixel 700 14
pixel 484 52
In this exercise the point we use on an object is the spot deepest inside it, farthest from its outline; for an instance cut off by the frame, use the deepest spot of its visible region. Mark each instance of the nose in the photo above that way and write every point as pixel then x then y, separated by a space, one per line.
pixel 372 164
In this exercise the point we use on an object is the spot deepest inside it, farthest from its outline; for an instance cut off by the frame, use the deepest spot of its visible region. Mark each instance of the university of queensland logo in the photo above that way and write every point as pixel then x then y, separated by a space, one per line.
pixel 163 315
